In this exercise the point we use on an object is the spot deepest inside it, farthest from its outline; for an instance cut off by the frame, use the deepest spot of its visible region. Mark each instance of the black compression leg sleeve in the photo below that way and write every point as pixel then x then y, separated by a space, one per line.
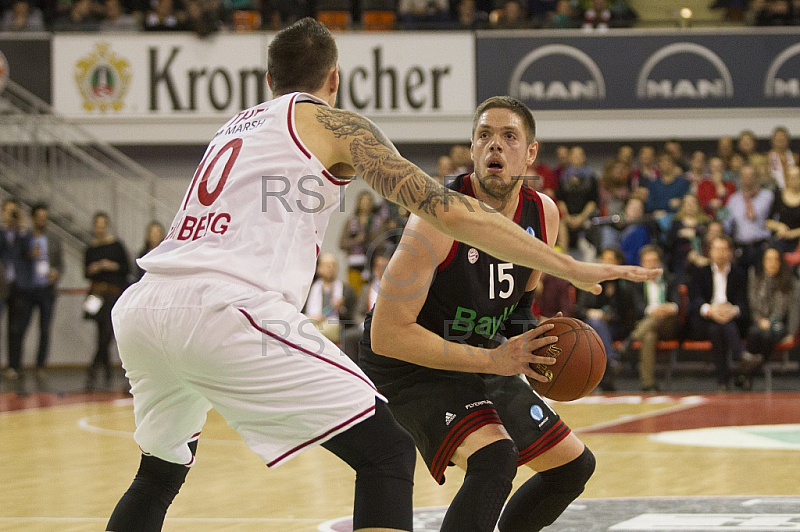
pixel 144 505
pixel 478 503
pixel 545 496
pixel 383 456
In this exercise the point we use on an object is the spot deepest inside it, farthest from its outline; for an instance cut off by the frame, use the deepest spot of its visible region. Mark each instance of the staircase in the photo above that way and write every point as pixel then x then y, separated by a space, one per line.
pixel 44 158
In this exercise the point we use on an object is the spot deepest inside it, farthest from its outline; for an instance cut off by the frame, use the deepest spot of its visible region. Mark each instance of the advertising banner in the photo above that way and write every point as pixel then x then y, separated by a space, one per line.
pixel 642 70
pixel 181 75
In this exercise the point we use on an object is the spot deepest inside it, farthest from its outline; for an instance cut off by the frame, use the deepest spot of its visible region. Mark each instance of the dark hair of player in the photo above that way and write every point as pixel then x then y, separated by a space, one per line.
pixel 301 56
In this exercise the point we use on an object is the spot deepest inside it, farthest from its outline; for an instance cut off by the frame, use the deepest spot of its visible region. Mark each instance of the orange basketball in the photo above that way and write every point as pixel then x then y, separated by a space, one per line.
pixel 580 361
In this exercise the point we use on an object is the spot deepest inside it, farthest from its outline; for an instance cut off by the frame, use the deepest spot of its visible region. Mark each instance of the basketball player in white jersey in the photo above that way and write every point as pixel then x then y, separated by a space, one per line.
pixel 216 322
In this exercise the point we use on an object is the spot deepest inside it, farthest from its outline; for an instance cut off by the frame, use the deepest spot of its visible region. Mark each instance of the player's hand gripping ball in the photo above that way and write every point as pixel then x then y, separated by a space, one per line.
pixel 580 361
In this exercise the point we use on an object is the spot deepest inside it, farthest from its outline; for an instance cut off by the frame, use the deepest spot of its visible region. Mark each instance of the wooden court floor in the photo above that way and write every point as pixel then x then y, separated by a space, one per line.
pixel 65 460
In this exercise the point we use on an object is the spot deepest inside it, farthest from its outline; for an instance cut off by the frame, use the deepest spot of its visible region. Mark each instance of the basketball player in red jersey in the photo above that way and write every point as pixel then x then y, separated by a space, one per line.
pixel 434 346
pixel 216 322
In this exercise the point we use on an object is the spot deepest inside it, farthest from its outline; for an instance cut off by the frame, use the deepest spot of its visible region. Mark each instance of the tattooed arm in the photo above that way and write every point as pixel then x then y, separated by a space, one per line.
pixel 348 143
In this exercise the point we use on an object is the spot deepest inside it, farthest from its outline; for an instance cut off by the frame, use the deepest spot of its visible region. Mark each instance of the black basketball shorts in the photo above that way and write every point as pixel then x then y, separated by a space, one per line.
pixel 442 408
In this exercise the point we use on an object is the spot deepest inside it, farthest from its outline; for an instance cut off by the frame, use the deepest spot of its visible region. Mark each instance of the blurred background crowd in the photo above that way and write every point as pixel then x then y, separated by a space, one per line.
pixel 206 17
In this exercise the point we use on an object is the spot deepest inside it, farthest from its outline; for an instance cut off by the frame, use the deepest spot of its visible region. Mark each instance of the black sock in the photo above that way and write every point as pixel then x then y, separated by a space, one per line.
pixel 144 506
pixel 478 503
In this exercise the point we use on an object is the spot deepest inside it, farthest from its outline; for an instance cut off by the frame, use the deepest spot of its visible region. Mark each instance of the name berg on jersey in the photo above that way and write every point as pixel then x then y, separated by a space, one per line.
pixel 193 227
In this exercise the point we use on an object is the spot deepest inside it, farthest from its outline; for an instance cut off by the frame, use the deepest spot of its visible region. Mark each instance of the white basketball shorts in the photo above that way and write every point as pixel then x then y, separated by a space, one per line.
pixel 192 344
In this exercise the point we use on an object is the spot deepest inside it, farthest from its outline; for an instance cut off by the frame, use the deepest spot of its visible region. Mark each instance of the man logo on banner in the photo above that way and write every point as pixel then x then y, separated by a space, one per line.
pixel 3 72
pixel 674 87
pixel 578 76
pixel 778 87
pixel 103 79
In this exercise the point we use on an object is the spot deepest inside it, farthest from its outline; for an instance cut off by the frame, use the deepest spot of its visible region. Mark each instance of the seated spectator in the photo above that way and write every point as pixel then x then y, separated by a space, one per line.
pixel 625 156
pixel 21 16
pixel 780 156
pixel 512 16
pixel 637 232
pixel 760 162
pixel 608 313
pixel 622 15
pixel 153 236
pixel 540 11
pixel 655 307
pixel 646 170
pixel 725 148
pixel 714 191
pixel 784 217
pixel 562 160
pixel 614 193
pixel 354 332
pixel 718 309
pixel 83 15
pixel 331 302
pixel 553 295
pixel 358 232
pixel 774 309
pixel 462 160
pixel 116 19
pixel 748 209
pixel 203 17
pixel 577 200
pixel 697 259
pixel 685 235
pixel 664 194
pixel 674 148
pixel 445 169
pixel 772 13
pixel 597 16
pixel 415 12
pixel 747 145
pixel 696 172
pixel 164 17
pixel 564 16
pixel 470 17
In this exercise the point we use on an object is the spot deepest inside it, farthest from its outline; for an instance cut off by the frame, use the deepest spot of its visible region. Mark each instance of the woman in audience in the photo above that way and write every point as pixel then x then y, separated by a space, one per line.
pixel 106 267
pixel 357 235
pixel 784 218
pixel 714 191
pixel 774 310
pixel 685 235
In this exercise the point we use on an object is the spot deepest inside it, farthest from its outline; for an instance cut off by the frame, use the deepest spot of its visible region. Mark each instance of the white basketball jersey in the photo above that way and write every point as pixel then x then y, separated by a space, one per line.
pixel 257 207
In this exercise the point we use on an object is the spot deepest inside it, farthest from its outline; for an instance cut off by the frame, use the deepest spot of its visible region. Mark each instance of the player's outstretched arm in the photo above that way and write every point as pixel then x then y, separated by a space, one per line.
pixel 404 288
pixel 357 143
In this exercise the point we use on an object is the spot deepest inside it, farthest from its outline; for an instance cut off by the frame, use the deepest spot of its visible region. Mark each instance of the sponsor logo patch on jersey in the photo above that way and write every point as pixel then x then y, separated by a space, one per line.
pixel 472 255
pixel 448 418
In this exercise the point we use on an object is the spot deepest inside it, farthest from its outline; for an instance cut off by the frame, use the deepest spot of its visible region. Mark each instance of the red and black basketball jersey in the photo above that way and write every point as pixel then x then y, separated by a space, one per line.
pixel 473 293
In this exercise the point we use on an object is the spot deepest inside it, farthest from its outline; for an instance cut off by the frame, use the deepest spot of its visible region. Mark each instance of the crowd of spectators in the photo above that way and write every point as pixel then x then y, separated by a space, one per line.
pixel 209 16
pixel 733 211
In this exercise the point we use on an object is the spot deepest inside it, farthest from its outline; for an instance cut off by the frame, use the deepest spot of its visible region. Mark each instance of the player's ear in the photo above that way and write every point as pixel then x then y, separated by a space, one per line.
pixel 269 82
pixel 333 80
pixel 533 150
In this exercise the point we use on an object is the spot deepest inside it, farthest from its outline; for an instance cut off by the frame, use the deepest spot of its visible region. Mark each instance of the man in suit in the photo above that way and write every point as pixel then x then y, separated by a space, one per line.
pixel 47 261
pixel 718 307
pixel 655 305
pixel 14 250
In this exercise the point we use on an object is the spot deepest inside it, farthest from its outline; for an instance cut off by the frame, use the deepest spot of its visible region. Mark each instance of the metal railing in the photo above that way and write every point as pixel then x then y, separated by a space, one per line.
pixel 44 157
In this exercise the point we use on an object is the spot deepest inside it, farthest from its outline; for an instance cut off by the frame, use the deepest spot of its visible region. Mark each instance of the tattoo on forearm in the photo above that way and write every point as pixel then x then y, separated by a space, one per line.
pixel 376 160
